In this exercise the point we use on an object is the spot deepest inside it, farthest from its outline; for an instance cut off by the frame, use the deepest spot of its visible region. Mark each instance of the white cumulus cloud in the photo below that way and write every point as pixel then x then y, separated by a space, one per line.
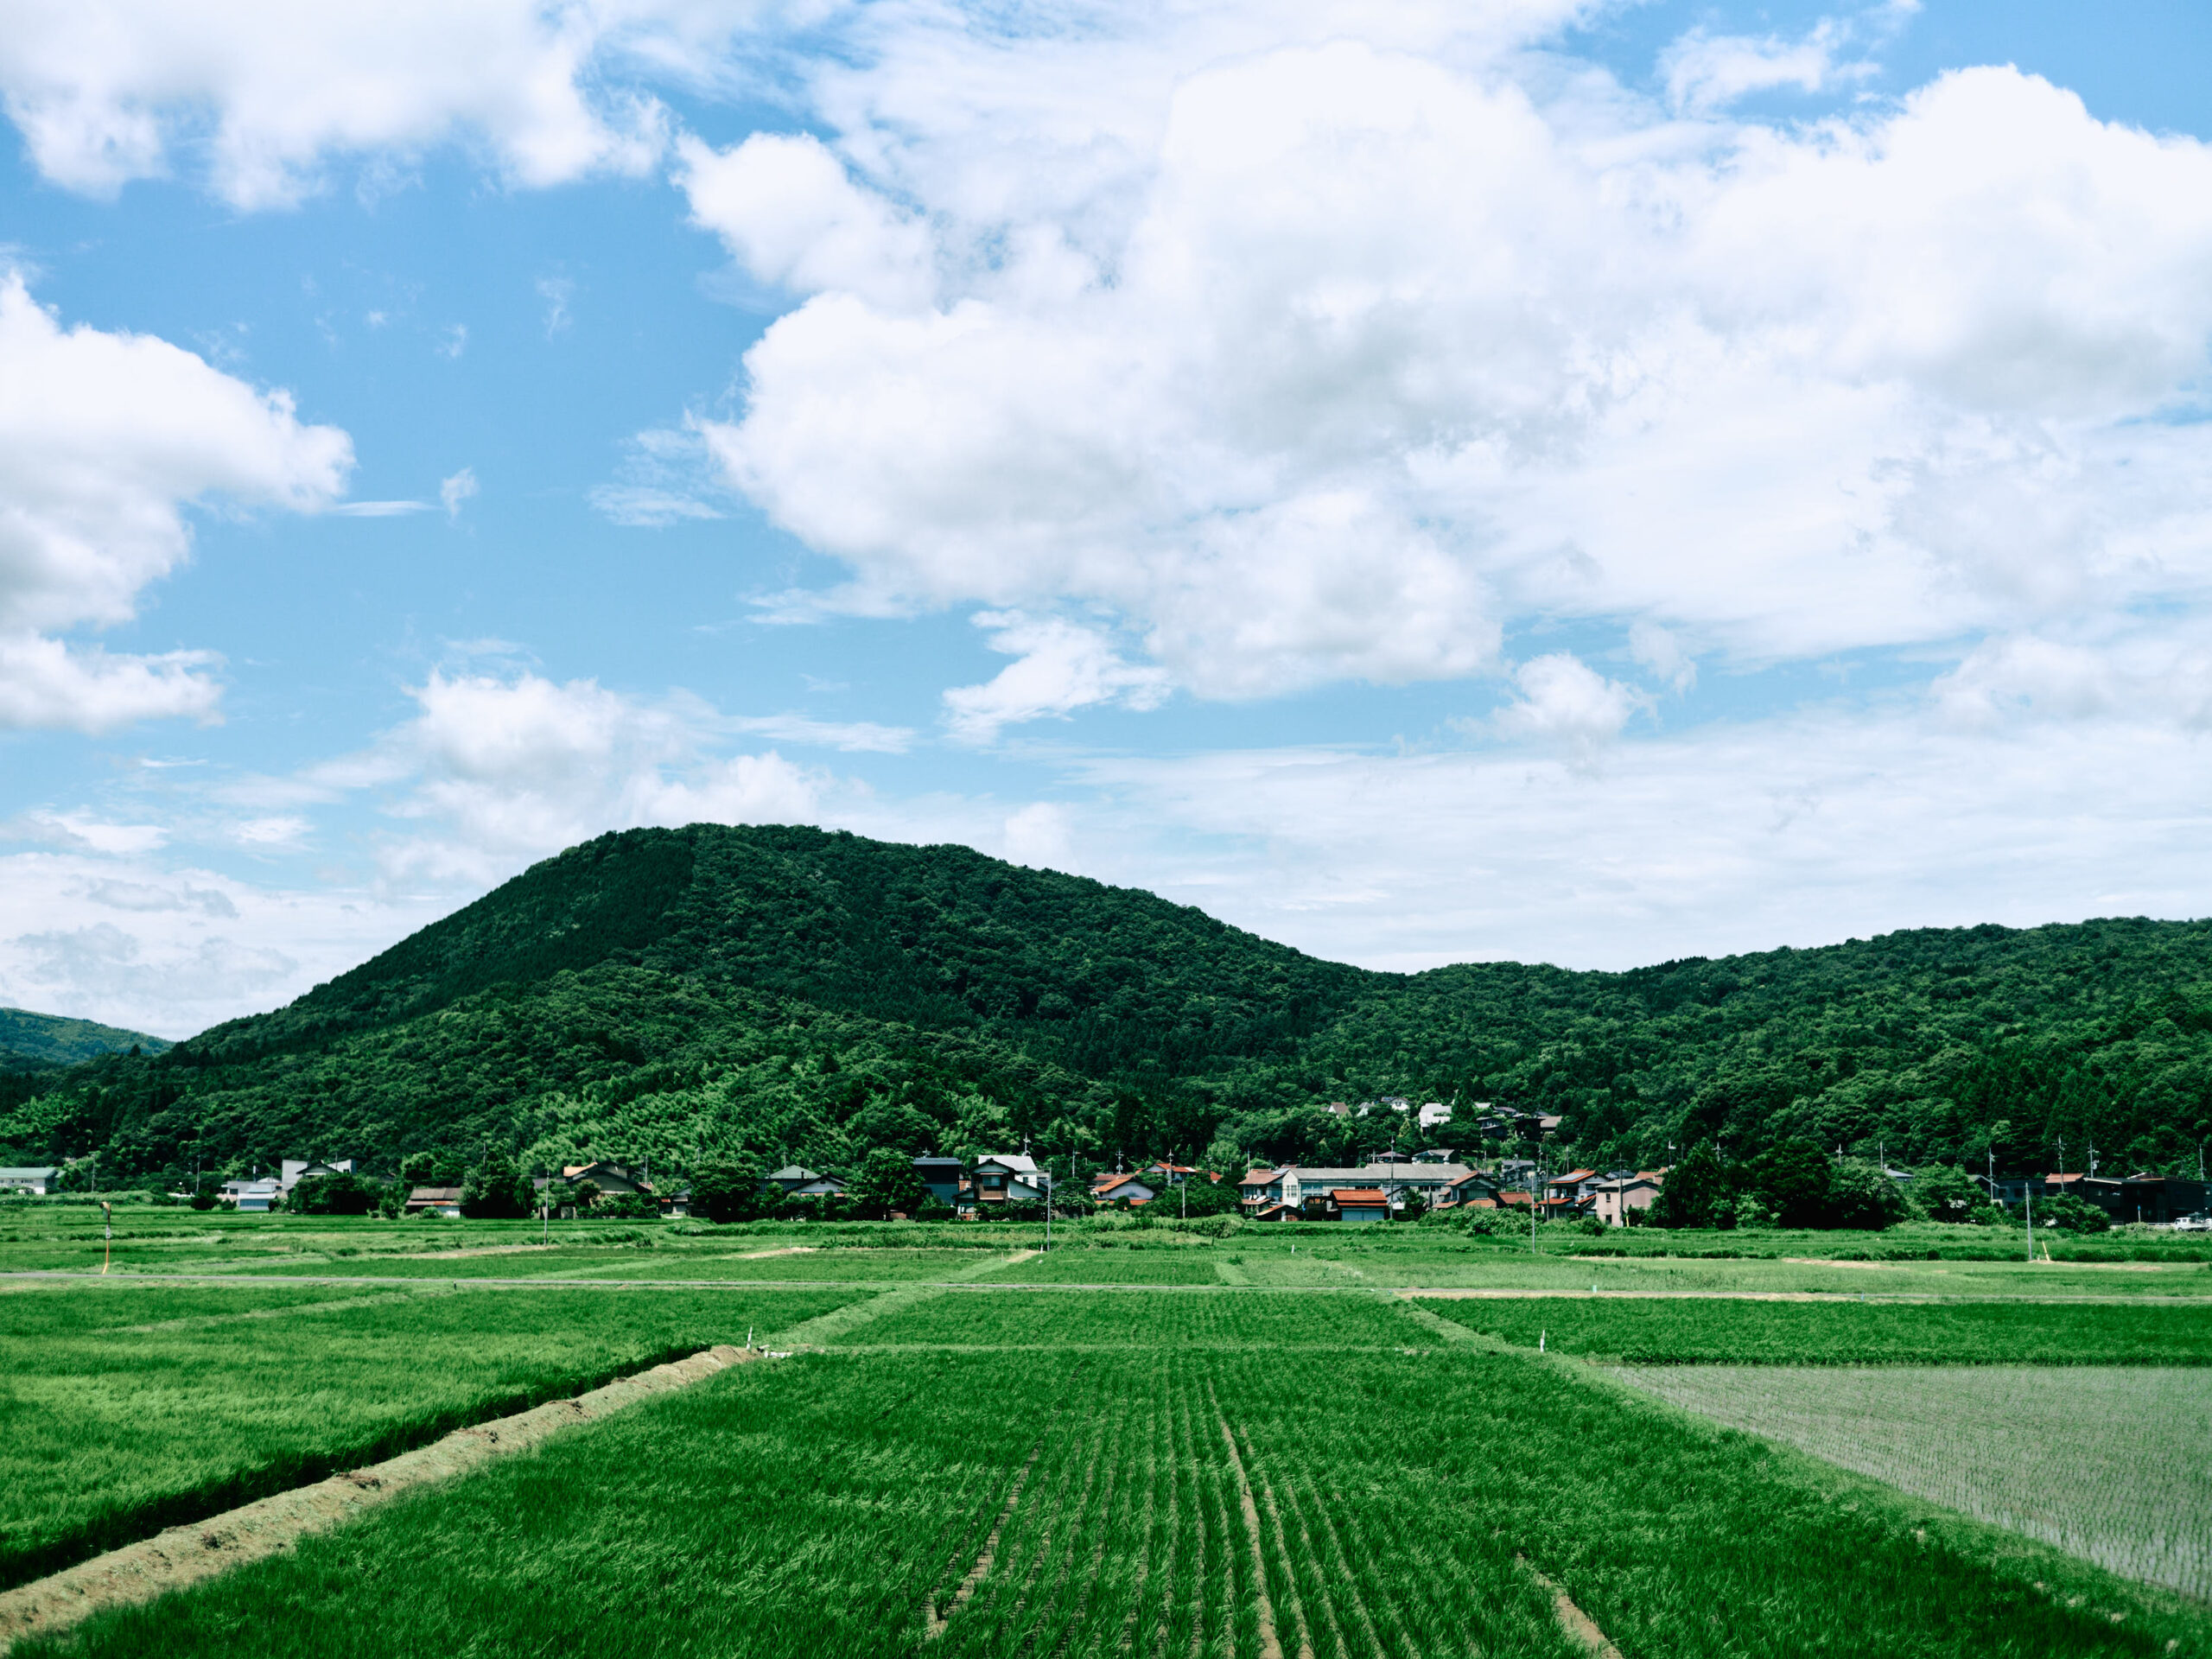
pixel 109 90
pixel 105 440
pixel 1327 360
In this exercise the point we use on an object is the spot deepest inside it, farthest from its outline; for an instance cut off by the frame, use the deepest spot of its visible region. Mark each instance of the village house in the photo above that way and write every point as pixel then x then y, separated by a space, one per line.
pixel 1307 1189
pixel 1624 1193
pixel 1359 1203
pixel 942 1176
pixel 292 1171
pixel 1122 1189
pixel 800 1182
pixel 607 1178
pixel 36 1179
pixel 434 1201
pixel 254 1196
pixel 1478 1191
pixel 1007 1177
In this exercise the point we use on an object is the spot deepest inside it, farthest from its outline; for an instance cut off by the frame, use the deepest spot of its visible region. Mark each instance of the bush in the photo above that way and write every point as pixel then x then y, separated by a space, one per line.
pixel 334 1195
pixel 2068 1214
pixel 1948 1193
pixel 497 1191
pixel 887 1181
pixel 1864 1197
pixel 724 1193
pixel 1494 1222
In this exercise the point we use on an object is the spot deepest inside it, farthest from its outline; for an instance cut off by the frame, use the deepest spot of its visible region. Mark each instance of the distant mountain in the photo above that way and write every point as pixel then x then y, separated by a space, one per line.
pixel 784 993
pixel 30 1040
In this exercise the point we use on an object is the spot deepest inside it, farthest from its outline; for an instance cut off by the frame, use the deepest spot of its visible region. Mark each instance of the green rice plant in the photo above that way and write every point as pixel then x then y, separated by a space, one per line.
pixel 1844 1333
pixel 832 1265
pixel 1080 1266
pixel 2108 1463
pixel 835 1504
pixel 1135 1317
pixel 114 1432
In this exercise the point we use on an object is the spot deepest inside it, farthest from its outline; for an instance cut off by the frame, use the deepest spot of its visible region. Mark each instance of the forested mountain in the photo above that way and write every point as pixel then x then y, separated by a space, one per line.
pixel 778 993
pixel 30 1041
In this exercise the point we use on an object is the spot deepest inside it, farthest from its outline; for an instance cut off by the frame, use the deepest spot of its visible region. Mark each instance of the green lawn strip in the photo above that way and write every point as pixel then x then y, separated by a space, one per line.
pixel 815 1507
pixel 108 1435
pixel 2132 1494
pixel 1843 1333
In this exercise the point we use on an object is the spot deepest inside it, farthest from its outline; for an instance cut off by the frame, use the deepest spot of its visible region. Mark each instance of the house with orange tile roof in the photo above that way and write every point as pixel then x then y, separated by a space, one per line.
pixel 1360 1203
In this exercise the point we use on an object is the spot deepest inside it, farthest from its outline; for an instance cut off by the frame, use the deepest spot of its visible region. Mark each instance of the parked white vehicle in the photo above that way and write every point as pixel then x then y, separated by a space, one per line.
pixel 2199 1223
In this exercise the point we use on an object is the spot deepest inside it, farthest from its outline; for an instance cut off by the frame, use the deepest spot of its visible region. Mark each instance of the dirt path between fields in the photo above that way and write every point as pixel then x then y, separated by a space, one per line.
pixel 187 1554
pixel 1571 1619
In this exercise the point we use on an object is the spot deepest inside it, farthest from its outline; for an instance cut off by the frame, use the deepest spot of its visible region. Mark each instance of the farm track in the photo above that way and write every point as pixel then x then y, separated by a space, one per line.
pixel 31 1277
pixel 1270 1643
pixel 1571 1619
pixel 187 1555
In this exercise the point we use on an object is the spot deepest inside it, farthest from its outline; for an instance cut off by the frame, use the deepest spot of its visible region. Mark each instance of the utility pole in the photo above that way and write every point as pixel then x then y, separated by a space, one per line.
pixel 2028 1201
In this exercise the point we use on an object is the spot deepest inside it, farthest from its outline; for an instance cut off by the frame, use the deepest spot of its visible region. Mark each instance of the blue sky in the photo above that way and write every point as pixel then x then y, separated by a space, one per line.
pixel 1573 482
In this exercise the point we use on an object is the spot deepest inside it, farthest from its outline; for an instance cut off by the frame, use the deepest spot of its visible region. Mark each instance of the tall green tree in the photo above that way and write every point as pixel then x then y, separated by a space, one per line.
pixel 496 1189
pixel 1699 1191
pixel 887 1182
pixel 726 1192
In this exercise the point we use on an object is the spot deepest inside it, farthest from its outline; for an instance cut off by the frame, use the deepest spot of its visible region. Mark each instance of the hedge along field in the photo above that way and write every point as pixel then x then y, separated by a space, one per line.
pixel 2106 1463
pixel 111 1433
pixel 950 1503
pixel 1138 1317
pixel 1844 1333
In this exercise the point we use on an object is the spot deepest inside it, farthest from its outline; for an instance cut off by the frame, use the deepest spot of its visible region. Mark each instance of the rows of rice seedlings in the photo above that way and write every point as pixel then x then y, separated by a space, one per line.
pixel 839 1503
pixel 1692 1332
pixel 1417 1479
pixel 1135 1317
pixel 2109 1464
pixel 1083 1266
pixel 120 1426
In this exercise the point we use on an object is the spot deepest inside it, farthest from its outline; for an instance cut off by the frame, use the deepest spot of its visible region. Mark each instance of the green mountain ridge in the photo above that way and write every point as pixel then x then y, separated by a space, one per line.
pixel 785 993
pixel 32 1041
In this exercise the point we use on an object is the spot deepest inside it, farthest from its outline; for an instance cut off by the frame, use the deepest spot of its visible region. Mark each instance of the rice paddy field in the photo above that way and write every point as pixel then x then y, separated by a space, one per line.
pixel 1691 1331
pixel 1249 1447
pixel 125 1408
pixel 2112 1464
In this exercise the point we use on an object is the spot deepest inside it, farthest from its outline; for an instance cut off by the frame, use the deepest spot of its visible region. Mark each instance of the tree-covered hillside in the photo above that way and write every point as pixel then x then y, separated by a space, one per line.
pixel 32 1041
pixel 777 994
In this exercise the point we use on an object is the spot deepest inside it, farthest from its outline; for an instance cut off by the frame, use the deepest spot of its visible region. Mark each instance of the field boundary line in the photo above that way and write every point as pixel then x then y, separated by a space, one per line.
pixel 200 1320
pixel 866 1310
pixel 187 1555
pixel 1571 1619
pixel 1270 1644
pixel 985 1556
pixel 1450 1330
pixel 29 1278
